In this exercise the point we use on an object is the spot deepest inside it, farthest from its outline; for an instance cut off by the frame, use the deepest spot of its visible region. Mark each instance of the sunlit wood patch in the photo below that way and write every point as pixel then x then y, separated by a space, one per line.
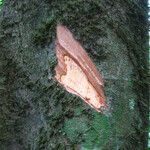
pixel 76 72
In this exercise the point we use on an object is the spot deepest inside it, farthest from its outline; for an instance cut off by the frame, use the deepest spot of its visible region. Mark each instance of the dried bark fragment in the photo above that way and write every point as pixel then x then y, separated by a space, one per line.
pixel 76 72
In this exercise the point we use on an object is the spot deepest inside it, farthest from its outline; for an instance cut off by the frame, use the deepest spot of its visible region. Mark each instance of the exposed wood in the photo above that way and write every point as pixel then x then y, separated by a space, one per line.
pixel 76 71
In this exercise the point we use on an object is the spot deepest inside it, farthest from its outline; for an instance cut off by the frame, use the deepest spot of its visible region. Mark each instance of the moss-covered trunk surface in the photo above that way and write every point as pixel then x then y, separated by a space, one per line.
pixel 36 113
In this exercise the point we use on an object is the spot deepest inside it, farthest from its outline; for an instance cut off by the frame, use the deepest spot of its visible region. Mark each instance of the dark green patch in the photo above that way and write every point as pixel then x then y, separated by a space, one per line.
pixel 98 134
pixel 1 3
pixel 75 128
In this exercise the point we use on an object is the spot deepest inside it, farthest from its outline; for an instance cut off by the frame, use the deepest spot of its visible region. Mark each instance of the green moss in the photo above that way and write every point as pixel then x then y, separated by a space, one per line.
pixel 75 128
pixel 98 134
pixel 1 3
pixel 90 133
pixel 78 111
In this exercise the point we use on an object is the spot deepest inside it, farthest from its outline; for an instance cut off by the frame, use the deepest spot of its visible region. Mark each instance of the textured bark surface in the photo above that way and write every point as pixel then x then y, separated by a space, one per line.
pixel 35 112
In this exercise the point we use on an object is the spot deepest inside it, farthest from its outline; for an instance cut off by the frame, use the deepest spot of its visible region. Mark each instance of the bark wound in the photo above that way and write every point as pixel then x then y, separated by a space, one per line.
pixel 76 72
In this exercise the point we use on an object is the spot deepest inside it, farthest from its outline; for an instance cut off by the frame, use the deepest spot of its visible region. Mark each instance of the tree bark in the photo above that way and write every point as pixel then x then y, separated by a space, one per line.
pixel 36 113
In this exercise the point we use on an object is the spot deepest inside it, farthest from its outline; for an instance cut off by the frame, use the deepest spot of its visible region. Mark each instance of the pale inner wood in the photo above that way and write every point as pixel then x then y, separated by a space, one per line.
pixel 76 82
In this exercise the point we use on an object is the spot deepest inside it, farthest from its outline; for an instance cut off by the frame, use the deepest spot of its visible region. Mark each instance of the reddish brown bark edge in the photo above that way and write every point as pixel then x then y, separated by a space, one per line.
pixel 66 45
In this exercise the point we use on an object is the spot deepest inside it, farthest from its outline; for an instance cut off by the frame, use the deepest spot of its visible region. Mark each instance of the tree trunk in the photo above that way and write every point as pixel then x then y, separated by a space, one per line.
pixel 36 113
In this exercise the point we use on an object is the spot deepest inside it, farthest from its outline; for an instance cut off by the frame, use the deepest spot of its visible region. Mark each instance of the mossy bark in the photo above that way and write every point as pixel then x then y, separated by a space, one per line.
pixel 36 113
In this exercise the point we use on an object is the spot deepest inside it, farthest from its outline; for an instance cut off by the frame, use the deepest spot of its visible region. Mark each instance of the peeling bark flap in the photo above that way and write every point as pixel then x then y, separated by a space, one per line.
pixel 76 72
